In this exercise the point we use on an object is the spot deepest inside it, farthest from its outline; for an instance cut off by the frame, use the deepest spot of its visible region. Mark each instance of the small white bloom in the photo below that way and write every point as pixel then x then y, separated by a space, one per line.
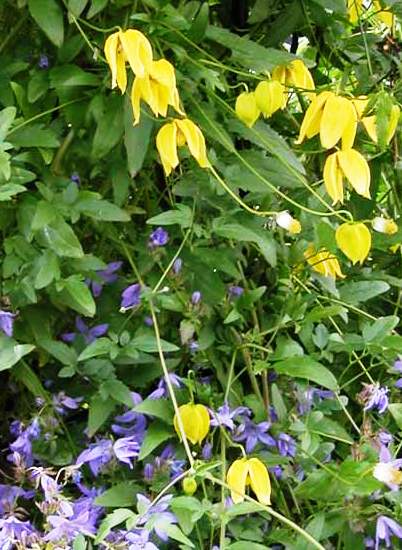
pixel 286 221
pixel 388 474
pixel 384 225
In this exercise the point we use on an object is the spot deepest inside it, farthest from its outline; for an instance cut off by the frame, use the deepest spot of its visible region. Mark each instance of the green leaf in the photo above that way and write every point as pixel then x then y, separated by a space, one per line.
pixel 396 410
pixel 360 291
pixel 101 346
pixel 182 216
pixel 79 296
pixel 8 191
pixel 79 543
pixel 7 117
pixel 188 511
pixel 161 408
pixel 110 128
pixel 319 424
pixel 99 412
pixel 136 138
pixel 45 213
pixel 175 533
pixel 49 17
pixel 110 521
pixel 102 210
pixel 77 6
pixel 11 352
pixel 96 7
pixel 278 403
pixel 118 391
pixel 306 367
pixel 34 135
pixel 66 76
pixel 155 435
pixel 381 328
pixel 121 494
pixel 61 351
pixel 60 238
pixel 27 376
pixel 49 270
pixel 148 343
pixel 200 24
pixel 246 545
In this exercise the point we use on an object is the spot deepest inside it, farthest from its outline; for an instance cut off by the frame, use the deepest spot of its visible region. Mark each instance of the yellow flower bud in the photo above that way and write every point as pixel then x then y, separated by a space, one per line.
pixel 249 471
pixel 323 262
pixel 246 108
pixel 189 485
pixel 269 96
pixel 354 239
pixel 196 421
pixel 295 75
pixel 286 221
pixel 347 163
pixel 384 225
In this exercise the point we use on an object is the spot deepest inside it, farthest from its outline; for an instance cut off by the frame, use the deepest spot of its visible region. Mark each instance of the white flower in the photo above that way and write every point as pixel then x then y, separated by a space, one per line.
pixel 384 225
pixel 286 221
pixel 388 473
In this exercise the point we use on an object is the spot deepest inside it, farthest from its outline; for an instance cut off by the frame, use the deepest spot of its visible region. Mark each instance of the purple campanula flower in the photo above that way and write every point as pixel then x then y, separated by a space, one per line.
pixel 9 495
pixel 63 403
pixel 158 513
pixel 105 276
pixel 206 452
pixel 14 531
pixel 7 322
pixel 126 449
pixel 286 445
pixel 196 297
pixel 75 178
pixel 159 237
pixel 277 471
pixel 43 62
pixel 21 448
pixel 224 416
pixel 375 397
pixel 235 291
pixel 149 471
pixel 177 266
pixel 49 486
pixel 16 428
pixel 193 346
pixel 385 529
pixel 273 414
pixel 89 334
pixel 369 542
pixel 162 390
pixel 254 433
pixel 308 397
pixel 140 540
pixel 134 424
pixel 148 321
pixel 131 297
pixel 97 455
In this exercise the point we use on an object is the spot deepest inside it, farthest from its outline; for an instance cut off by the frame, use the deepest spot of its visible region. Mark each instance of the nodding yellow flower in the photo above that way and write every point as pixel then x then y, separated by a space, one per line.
pixel 246 108
pixel 323 262
pixel 157 88
pixel 349 164
pixel 249 471
pixel 176 134
pixel 384 225
pixel 333 117
pixel 356 9
pixel 295 75
pixel 384 15
pixel 354 239
pixel 286 221
pixel 269 97
pixel 195 420
pixel 131 46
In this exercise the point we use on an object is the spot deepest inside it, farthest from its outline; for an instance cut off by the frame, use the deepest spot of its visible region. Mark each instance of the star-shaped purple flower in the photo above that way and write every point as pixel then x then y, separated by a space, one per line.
pixel 254 433
pixel 7 322
pixel 224 416
pixel 159 237
pixel 131 297
pixel 89 334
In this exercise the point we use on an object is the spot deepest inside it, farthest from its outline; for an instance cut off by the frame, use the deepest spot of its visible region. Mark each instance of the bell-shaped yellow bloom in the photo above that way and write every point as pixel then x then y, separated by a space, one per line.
pixel 157 88
pixel 333 117
pixel 269 97
pixel 384 15
pixel 354 239
pixel 286 221
pixel 323 262
pixel 246 108
pixel 131 46
pixel 195 420
pixel 249 471
pixel 349 164
pixel 178 133
pixel 355 9
pixel 384 225
pixel 295 75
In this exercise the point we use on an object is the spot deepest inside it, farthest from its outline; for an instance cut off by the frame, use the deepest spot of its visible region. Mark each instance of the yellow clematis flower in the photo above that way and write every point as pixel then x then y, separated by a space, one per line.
pixel 132 46
pixel 356 9
pixel 354 239
pixel 249 471
pixel 333 117
pixel 384 15
pixel 157 88
pixel 286 221
pixel 384 225
pixel 349 164
pixel 178 133
pixel 246 108
pixel 269 97
pixel 196 422
pixel 295 75
pixel 323 262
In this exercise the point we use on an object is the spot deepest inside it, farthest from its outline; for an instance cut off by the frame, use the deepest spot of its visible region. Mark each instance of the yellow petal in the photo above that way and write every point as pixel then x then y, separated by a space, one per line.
pixel 338 113
pixel 393 122
pixel 269 97
pixel 311 121
pixel 236 479
pixel 335 268
pixel 138 51
pixel 279 74
pixel 384 15
pixel 246 108
pixel 163 72
pixel 360 103
pixel 370 125
pixel 324 262
pixel 166 143
pixel 356 170
pixel 300 77
pixel 355 8
pixel 195 140
pixel 121 72
pixel 111 49
pixel 136 100
pixel 333 178
pixel 349 133
pixel 259 480
pixel 354 239
pixel 286 221
pixel 202 421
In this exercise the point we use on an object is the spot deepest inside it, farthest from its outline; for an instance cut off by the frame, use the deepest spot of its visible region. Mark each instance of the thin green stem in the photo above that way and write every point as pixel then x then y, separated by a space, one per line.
pixel 222 533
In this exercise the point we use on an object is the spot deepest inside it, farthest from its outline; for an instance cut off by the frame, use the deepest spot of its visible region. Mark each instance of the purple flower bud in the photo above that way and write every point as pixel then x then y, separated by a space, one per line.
pixel 277 471
pixel 286 445
pixel 206 452
pixel 75 178
pixel 177 266
pixel 131 296
pixel 7 322
pixel 196 297
pixel 159 237
pixel 148 472
pixel 148 321
pixel 235 291
pixel 43 62
pixel 193 346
